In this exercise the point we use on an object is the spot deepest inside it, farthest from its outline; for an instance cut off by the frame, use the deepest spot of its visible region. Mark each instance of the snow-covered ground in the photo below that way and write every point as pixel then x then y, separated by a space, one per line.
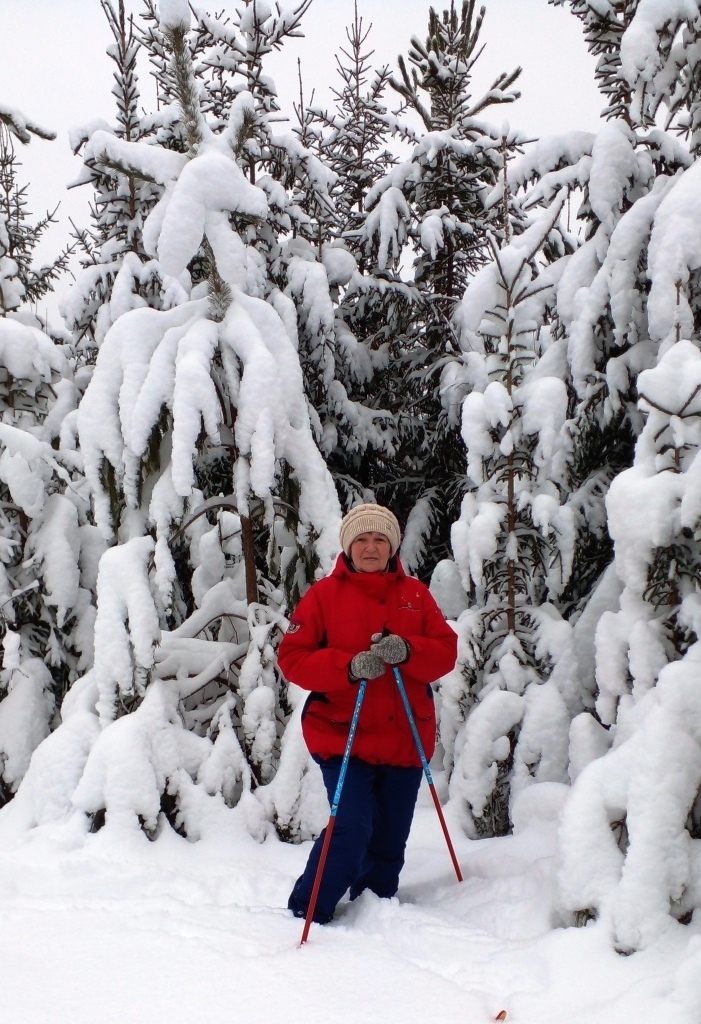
pixel 113 929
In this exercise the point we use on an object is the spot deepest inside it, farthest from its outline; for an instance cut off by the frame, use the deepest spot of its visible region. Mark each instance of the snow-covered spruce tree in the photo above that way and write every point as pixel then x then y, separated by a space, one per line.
pixel 629 300
pixel 617 177
pixel 47 549
pixel 352 136
pixel 303 240
pixel 631 834
pixel 117 273
pixel 646 64
pixel 457 158
pixel 514 540
pixel 226 57
pixel 194 421
pixel 432 206
pixel 21 280
pixel 593 350
pixel 371 308
pixel 602 338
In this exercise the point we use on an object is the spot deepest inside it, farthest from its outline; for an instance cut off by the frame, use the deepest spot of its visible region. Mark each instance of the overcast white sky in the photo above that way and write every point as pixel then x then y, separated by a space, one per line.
pixel 54 68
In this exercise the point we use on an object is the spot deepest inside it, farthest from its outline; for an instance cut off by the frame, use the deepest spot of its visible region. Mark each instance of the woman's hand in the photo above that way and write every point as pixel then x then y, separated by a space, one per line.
pixel 392 649
pixel 366 665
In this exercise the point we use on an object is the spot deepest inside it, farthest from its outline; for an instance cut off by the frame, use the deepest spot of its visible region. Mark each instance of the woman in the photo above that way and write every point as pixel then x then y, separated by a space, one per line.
pixel 357 623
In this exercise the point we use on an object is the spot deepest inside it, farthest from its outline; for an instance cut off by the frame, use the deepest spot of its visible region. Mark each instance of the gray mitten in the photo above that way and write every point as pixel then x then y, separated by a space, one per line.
pixel 366 666
pixel 393 649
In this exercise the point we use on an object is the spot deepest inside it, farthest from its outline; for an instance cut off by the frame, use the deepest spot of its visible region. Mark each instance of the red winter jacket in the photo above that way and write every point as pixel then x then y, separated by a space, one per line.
pixel 334 621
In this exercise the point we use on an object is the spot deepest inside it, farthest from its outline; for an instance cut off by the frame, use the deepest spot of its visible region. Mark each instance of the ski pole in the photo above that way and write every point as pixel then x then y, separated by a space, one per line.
pixel 427 770
pixel 334 809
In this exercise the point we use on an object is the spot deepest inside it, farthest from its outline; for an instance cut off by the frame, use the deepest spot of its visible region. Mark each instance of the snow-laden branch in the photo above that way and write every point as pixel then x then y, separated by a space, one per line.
pixel 19 125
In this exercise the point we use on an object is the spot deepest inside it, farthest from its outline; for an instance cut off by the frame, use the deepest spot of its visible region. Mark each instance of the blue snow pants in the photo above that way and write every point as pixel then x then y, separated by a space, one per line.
pixel 367 845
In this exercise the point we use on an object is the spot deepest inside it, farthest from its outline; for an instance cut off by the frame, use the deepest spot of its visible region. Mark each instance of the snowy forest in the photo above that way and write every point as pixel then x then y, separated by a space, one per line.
pixel 397 297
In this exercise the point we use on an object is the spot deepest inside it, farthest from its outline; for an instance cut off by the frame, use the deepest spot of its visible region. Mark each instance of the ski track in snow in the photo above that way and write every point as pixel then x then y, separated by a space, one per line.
pixel 100 931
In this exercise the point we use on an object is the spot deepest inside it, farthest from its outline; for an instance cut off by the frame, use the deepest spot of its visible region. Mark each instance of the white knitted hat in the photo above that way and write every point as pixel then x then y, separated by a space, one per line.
pixel 370 519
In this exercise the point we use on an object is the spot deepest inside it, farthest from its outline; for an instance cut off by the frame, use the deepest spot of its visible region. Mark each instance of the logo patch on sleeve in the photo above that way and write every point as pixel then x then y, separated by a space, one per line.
pixel 294 627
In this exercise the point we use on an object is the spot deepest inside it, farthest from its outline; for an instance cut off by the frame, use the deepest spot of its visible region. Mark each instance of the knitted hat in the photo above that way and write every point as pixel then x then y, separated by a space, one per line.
pixel 370 519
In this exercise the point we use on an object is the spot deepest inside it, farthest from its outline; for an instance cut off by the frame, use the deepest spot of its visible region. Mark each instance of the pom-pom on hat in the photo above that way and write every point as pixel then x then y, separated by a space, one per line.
pixel 370 519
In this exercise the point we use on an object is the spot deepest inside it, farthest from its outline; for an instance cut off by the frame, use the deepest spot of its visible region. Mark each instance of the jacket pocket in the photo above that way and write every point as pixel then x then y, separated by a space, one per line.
pixel 313 698
pixel 326 715
pixel 422 702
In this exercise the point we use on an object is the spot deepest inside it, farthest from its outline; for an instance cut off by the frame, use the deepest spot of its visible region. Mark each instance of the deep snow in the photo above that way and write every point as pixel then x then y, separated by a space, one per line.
pixel 112 929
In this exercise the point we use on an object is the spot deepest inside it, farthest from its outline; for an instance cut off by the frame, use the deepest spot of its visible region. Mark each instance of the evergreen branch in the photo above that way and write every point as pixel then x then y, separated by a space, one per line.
pixel 100 160
pixel 409 91
pixel 497 93
pixel 681 414
pixel 21 127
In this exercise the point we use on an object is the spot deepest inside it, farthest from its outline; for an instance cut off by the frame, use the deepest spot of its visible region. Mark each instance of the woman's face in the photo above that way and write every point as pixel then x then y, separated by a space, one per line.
pixel 369 552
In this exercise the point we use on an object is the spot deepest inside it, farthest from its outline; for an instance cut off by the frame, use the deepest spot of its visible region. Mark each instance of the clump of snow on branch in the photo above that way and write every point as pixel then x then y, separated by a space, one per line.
pixel 173 13
pixel 126 628
pixel 25 711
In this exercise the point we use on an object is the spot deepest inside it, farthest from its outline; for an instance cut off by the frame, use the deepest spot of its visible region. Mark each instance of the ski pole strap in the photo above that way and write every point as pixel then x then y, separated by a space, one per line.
pixel 412 724
pixel 349 744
